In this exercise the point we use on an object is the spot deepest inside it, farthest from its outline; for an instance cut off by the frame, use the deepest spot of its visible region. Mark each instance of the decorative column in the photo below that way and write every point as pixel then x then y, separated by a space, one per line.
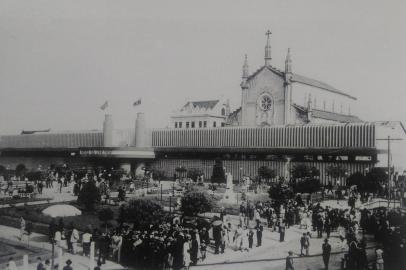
pixel 60 259
pixel 25 262
pixel 108 131
pixel 140 131
pixel 91 259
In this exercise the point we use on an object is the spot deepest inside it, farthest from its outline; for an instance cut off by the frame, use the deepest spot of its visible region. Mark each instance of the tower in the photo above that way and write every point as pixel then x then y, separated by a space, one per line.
pixel 288 89
pixel 245 72
pixel 268 49
pixel 288 63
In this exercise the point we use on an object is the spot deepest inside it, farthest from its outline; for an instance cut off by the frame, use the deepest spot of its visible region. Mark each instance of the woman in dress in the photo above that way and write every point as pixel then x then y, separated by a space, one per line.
pixel 244 240
pixel 238 237
pixel 186 252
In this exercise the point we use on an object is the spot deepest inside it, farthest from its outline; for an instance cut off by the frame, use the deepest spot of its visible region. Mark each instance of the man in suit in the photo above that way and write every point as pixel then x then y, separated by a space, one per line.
pixel 259 229
pixel 326 253
pixel 282 228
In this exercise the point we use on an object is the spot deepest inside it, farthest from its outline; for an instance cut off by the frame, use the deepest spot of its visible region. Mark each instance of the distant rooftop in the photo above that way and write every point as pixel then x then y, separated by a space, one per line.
pixel 205 104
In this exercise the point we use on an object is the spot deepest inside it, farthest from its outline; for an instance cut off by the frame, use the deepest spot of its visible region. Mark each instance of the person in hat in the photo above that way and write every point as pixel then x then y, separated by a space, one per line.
pixel 40 265
pixel 194 249
pixel 67 266
pixel 250 238
pixel 289 261
pixel 47 265
pixel 98 267
pixel 204 242
pixel 259 228
pixel 379 258
pixel 282 228
pixel 326 253
pixel 186 251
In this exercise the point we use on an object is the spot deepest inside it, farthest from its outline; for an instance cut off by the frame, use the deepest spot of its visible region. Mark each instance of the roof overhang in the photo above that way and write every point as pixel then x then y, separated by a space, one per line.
pixel 281 151
pixel 114 152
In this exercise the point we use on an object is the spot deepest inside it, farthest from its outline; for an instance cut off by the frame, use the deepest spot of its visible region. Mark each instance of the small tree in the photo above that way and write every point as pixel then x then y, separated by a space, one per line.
pixel 141 213
pixel 196 202
pixel 266 173
pixel 356 179
pixel 181 171
pixel 336 171
pixel 89 195
pixel 309 185
pixel 218 175
pixel 301 171
pixel 280 193
pixel 2 170
pixel 375 178
pixel 157 174
pixel 194 174
pixel 21 170
pixel 105 215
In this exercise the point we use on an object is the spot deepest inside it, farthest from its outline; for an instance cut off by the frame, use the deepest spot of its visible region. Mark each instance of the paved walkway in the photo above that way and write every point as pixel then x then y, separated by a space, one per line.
pixel 272 253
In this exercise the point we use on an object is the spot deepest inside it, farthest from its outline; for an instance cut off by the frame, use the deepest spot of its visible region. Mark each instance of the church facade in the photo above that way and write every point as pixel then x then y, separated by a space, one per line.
pixel 271 96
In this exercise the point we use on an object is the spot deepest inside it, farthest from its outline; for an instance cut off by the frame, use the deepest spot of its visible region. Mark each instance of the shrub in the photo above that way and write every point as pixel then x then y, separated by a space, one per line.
pixel 280 193
pixel 196 202
pixel 105 215
pixel 89 195
pixel 266 173
pixel 194 174
pixel 141 213
pixel 218 175
pixel 307 186
pixel 21 170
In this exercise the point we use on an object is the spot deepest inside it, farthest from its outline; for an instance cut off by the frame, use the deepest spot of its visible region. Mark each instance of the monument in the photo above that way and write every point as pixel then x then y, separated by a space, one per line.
pixel 229 196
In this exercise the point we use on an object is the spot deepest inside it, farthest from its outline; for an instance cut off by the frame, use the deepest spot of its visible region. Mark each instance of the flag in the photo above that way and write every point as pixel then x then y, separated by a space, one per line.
pixel 137 102
pixel 104 106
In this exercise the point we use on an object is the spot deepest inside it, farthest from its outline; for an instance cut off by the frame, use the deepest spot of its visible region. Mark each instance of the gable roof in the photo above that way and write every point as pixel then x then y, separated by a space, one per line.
pixel 338 117
pixel 206 104
pixel 312 82
pixel 332 116
pixel 303 80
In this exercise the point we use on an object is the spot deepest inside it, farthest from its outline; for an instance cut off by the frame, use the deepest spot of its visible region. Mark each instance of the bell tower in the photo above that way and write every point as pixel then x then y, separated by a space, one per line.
pixel 268 57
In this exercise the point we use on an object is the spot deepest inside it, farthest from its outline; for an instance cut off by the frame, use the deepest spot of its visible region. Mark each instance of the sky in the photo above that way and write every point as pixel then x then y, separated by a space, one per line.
pixel 61 60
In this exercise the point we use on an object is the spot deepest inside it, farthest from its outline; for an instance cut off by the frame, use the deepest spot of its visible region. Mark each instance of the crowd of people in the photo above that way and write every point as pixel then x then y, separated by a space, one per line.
pixel 178 245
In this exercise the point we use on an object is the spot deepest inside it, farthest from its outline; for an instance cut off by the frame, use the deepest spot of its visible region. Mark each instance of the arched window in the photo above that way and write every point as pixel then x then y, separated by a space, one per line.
pixel 223 111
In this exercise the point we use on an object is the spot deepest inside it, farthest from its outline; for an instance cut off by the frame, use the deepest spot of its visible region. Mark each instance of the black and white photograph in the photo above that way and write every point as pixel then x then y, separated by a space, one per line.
pixel 200 135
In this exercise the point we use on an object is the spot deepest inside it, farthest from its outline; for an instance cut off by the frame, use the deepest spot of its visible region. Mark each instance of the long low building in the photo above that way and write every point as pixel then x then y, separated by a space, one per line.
pixel 242 150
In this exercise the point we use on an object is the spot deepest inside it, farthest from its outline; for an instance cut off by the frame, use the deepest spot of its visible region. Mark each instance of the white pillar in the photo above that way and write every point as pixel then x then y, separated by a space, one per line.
pixel 108 131
pixel 91 259
pixel 25 262
pixel 140 130
pixel 60 259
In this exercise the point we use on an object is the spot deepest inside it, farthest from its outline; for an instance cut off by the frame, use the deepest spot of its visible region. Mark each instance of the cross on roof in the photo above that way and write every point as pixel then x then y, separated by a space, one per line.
pixel 268 33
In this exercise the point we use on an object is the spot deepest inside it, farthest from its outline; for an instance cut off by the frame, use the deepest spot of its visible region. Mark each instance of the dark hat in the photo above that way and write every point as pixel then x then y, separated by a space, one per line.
pixel 326 240
pixel 68 262
pixel 290 252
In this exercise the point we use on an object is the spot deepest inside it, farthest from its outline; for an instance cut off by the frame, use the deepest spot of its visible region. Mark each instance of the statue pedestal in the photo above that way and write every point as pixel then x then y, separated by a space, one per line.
pixel 229 196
